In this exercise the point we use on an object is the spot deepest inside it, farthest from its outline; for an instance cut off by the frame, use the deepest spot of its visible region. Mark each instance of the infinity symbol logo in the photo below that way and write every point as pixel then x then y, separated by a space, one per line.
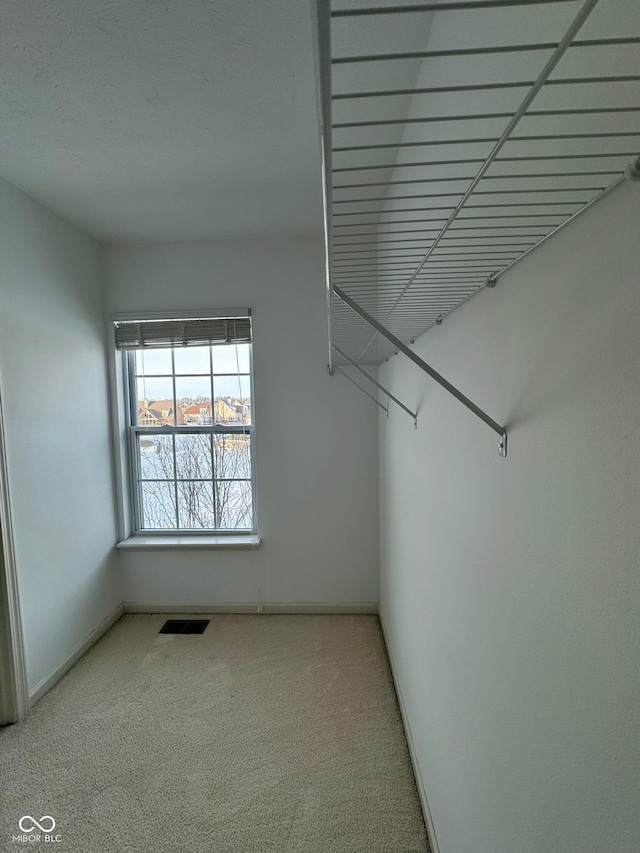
pixel 27 823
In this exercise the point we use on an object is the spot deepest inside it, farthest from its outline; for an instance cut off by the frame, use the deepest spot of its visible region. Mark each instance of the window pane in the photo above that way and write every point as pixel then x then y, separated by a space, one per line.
pixel 234 503
pixel 155 454
pixel 226 359
pixel 232 457
pixel 155 405
pixel 233 399
pixel 192 360
pixel 153 361
pixel 244 360
pixel 195 504
pixel 194 399
pixel 227 387
pixel 193 457
pixel 158 505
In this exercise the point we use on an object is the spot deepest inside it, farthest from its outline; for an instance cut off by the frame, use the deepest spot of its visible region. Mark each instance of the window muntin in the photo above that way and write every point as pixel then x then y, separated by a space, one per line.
pixel 192 438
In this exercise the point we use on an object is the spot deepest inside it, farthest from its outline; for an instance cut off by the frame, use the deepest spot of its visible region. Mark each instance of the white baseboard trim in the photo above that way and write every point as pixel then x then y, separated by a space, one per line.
pixel 47 683
pixel 426 811
pixel 251 607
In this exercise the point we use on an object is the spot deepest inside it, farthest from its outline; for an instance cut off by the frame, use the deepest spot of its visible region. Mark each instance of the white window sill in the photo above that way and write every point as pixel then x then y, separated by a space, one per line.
pixel 152 543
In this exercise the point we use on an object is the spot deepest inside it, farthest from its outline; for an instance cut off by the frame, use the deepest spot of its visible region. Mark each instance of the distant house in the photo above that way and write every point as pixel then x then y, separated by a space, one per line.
pixel 225 414
pixel 198 413
pixel 243 412
pixel 156 413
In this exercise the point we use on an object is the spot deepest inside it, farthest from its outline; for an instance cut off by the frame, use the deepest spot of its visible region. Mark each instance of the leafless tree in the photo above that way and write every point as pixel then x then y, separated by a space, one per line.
pixel 211 483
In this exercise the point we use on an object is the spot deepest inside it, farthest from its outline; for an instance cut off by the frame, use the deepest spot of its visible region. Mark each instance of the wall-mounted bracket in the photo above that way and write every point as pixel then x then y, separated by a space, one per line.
pixel 495 426
pixel 353 363
pixel 491 281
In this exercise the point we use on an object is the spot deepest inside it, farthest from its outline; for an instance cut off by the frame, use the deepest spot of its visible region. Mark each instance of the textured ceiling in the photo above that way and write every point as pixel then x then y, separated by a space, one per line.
pixel 163 119
pixel 143 120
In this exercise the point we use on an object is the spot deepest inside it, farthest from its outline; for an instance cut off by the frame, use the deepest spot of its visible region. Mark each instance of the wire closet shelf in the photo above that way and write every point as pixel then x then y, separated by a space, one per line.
pixel 457 137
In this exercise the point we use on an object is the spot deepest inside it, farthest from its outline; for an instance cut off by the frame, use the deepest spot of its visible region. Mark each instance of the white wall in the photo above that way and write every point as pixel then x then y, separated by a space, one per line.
pixel 54 391
pixel 316 436
pixel 510 587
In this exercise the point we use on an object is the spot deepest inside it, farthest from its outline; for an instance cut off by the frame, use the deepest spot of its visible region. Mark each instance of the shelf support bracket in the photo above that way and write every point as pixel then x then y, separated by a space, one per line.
pixel 477 411
pixel 353 363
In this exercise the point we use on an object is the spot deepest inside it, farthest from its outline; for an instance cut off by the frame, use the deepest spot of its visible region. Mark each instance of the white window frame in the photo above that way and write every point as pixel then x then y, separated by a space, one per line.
pixel 124 410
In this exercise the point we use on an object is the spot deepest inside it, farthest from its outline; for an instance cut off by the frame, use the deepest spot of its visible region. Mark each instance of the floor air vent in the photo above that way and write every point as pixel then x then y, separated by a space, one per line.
pixel 184 626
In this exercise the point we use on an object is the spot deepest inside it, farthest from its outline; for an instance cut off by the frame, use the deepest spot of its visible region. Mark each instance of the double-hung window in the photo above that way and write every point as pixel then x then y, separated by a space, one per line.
pixel 190 424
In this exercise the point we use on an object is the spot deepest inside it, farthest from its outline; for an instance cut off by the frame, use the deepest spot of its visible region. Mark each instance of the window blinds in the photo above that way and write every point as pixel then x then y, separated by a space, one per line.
pixel 182 333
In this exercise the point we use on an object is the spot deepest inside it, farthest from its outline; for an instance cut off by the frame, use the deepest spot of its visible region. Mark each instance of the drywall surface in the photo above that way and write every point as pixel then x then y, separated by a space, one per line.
pixel 54 392
pixel 510 588
pixel 316 435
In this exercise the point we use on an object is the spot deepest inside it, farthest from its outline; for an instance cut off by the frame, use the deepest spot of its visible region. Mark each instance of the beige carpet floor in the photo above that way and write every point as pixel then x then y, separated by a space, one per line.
pixel 266 734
